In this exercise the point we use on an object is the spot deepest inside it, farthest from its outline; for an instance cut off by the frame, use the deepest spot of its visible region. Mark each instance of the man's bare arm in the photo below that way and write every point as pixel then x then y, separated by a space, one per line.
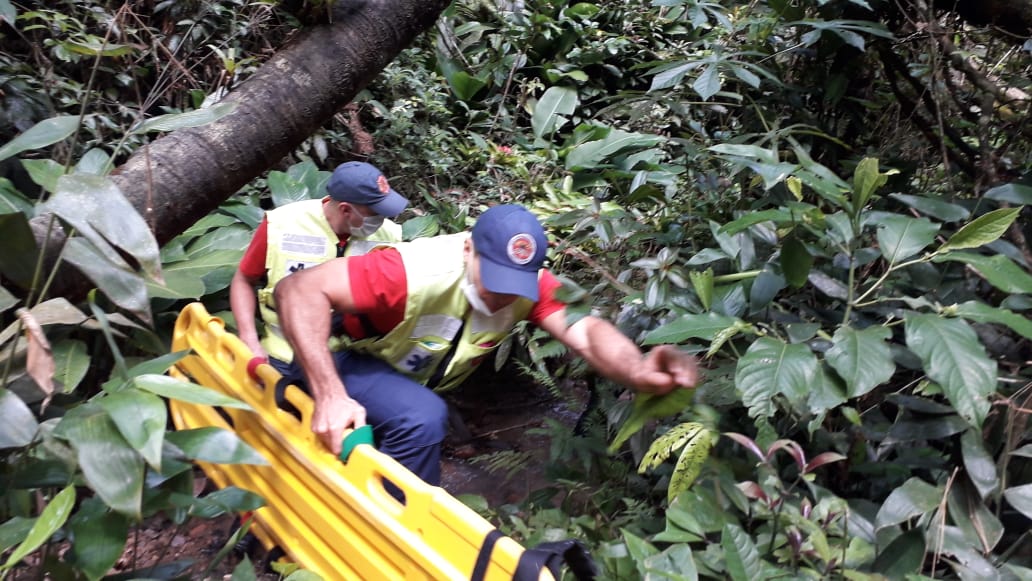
pixel 244 304
pixel 304 301
pixel 615 356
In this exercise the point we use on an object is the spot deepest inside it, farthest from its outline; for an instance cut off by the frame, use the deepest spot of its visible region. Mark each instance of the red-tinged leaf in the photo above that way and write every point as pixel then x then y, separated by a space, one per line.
pixel 748 443
pixel 752 490
pixel 793 448
pixel 822 459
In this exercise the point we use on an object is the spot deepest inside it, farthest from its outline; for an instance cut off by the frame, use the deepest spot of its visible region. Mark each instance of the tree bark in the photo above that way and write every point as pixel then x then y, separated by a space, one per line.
pixel 187 174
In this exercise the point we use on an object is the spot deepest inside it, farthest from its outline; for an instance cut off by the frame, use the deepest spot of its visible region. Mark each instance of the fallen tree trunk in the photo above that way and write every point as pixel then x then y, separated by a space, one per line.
pixel 186 174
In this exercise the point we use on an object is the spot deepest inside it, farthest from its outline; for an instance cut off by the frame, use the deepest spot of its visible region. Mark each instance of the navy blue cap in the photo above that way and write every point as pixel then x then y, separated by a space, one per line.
pixel 511 244
pixel 357 182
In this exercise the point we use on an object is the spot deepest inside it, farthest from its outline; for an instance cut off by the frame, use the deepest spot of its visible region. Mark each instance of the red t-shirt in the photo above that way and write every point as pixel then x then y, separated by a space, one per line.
pixel 383 301
pixel 253 262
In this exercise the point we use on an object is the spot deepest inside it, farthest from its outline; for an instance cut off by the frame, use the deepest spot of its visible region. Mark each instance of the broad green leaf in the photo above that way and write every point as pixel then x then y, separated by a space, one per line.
pixel 772 367
pixel 157 365
pixel 597 153
pixel 19 425
pixel 551 108
pixel 867 179
pixel 244 571
pixel 639 549
pixel 98 538
pixel 125 287
pixel 51 519
pixel 215 445
pixel 982 230
pixel 96 47
pixel 953 357
pixel 998 270
pixel 98 210
pixel 708 83
pixel 44 172
pixel 14 531
pixel 224 261
pixel 1012 193
pixel 420 227
pixel 1020 497
pixel 175 121
pixel 900 237
pixel 702 282
pixel 704 326
pixel 668 444
pixel 741 556
pixel 42 134
pixel 983 313
pixel 862 358
pixel 112 468
pixel 904 556
pixel 779 216
pixel 796 261
pixel 649 407
pixel 284 189
pixel 465 85
pixel 96 162
pixel 18 260
pixel 8 13
pixel 140 417
pixel 173 388
pixel 670 75
pixel 71 362
pixel 979 464
pixel 914 498
pixel 934 207
pixel 177 286
pixel 675 563
pixel 229 500
pixel 13 201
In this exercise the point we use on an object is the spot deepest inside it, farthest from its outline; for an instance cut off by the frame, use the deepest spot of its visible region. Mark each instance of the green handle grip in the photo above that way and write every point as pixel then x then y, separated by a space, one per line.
pixel 358 436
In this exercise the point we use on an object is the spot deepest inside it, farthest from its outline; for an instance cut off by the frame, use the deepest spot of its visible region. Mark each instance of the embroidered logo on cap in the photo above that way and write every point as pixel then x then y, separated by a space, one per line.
pixel 381 182
pixel 521 248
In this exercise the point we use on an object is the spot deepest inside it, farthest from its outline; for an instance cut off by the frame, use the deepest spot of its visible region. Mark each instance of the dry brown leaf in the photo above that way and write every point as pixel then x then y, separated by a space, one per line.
pixel 40 359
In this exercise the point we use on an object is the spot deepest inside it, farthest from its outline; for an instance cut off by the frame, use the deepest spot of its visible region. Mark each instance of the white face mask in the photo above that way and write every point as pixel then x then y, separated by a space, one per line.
pixel 370 224
pixel 473 296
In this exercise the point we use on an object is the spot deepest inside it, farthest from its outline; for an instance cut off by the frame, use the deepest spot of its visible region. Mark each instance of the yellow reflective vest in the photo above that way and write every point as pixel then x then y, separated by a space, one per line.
pixel 439 327
pixel 299 237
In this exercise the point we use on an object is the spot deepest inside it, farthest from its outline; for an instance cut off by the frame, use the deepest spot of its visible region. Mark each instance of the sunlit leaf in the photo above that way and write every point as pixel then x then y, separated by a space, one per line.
pixel 708 83
pixel 141 418
pixel 998 270
pixel 740 554
pixel 1020 497
pixel 175 121
pixel 598 152
pixel 702 282
pixel 982 230
pixel 667 444
pixel 112 468
pixel 914 498
pixel 704 326
pixel 19 425
pixel 98 210
pixel 867 179
pixel 900 237
pixel 554 105
pixel 51 519
pixel 862 358
pixel 173 388
pixel 693 456
pixel 770 368
pixel 42 134
pixel 953 356
pixel 215 445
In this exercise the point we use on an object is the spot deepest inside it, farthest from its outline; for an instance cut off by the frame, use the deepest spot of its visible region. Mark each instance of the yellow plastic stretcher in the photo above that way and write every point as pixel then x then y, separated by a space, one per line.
pixel 333 518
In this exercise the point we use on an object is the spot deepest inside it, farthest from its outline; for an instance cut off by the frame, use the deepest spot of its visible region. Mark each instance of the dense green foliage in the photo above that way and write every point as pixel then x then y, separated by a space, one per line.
pixel 824 199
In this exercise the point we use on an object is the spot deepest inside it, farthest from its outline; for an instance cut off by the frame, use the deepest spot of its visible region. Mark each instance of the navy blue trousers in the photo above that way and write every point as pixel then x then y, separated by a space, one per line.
pixel 409 420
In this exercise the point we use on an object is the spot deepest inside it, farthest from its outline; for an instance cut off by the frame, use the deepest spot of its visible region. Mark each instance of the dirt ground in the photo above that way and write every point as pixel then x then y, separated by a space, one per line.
pixel 495 418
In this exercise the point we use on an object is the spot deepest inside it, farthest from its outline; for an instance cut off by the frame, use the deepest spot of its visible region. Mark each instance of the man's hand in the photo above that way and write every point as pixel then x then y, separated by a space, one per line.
pixel 334 415
pixel 664 368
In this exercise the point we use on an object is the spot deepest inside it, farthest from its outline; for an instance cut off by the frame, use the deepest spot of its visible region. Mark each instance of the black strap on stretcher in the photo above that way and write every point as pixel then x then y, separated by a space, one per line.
pixel 546 555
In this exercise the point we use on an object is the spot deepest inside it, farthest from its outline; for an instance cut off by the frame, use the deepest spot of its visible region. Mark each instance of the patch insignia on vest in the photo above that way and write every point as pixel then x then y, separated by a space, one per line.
pixel 521 248
pixel 417 360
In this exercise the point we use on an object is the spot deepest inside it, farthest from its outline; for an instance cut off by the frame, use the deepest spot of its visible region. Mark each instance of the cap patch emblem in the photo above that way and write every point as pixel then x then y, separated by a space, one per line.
pixel 381 183
pixel 521 248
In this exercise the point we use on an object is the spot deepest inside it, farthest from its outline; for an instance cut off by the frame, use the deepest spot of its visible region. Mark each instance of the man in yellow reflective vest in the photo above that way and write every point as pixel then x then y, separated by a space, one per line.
pixel 348 221
pixel 433 308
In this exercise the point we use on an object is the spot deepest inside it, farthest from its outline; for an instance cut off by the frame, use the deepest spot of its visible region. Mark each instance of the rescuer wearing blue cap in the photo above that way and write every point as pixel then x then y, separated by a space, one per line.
pixel 422 315
pixel 349 220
